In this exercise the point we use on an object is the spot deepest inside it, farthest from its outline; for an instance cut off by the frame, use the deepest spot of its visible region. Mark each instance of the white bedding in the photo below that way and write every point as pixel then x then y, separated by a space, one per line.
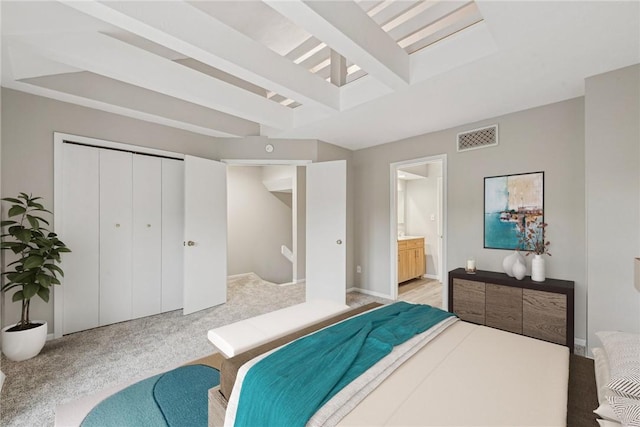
pixel 473 375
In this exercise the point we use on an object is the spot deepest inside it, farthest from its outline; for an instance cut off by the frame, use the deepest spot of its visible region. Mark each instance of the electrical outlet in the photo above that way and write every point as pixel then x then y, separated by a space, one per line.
pixel 358 269
pixel 433 217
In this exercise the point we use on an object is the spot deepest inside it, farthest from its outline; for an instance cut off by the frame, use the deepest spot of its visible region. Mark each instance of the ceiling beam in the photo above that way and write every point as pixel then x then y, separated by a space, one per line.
pixel 109 91
pixel 347 29
pixel 112 58
pixel 110 108
pixel 200 36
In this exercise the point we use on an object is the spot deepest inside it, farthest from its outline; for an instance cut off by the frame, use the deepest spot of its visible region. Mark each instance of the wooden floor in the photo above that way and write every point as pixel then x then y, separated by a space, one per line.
pixel 421 291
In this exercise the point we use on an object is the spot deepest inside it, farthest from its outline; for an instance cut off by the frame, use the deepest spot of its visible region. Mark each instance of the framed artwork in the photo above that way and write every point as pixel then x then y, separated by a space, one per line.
pixel 510 200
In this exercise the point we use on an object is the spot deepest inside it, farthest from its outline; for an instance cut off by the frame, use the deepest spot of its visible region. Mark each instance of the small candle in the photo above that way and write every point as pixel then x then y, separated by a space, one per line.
pixel 471 265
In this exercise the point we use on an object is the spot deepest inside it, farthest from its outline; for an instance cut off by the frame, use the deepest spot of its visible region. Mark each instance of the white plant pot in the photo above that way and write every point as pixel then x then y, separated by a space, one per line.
pixel 537 269
pixel 23 345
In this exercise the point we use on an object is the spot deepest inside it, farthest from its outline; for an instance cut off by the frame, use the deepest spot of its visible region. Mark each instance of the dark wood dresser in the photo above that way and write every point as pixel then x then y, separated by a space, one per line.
pixel 542 310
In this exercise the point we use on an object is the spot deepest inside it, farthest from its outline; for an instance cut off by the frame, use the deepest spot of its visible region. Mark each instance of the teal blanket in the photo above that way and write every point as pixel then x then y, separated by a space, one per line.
pixel 287 387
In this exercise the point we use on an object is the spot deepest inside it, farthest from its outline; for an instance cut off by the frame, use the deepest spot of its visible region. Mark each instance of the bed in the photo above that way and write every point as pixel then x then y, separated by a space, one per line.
pixel 466 375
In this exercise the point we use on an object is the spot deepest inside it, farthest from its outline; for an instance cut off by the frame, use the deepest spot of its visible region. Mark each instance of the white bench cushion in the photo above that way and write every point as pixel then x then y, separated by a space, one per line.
pixel 244 335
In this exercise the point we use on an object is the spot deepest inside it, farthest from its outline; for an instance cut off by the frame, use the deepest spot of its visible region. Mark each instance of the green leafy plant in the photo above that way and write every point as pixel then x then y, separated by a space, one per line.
pixel 38 250
pixel 532 237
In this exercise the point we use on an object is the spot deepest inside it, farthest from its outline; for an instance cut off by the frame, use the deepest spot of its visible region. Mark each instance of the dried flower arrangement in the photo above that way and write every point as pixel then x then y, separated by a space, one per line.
pixel 532 238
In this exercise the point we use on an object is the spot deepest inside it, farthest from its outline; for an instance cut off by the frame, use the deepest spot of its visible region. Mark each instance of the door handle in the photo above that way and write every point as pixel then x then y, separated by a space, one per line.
pixel 339 241
pixel 191 243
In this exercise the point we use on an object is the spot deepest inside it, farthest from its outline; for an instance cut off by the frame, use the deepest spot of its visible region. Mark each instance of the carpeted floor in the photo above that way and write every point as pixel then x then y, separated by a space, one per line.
pixel 85 362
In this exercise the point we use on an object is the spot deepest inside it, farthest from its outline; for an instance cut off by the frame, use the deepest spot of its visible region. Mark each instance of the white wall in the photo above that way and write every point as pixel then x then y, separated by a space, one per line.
pixel 548 138
pixel 612 153
pixel 259 222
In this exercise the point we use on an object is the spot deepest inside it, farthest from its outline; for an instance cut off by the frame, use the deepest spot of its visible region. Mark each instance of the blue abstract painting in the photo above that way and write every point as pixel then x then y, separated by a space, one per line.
pixel 510 200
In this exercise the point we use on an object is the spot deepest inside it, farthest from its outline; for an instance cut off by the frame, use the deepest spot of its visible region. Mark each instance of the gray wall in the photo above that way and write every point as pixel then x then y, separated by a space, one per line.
pixel 612 151
pixel 548 138
pixel 259 222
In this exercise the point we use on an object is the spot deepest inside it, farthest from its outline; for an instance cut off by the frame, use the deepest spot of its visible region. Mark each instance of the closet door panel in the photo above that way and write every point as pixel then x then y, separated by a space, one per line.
pixel 80 231
pixel 147 228
pixel 115 236
pixel 172 233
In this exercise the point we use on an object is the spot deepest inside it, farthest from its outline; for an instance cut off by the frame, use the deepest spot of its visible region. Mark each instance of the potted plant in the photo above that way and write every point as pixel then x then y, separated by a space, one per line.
pixel 33 273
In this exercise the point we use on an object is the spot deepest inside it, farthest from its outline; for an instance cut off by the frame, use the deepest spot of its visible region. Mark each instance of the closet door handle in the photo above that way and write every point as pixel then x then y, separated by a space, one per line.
pixel 191 243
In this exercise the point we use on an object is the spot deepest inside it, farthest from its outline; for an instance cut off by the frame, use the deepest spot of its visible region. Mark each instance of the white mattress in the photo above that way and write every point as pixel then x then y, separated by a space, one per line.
pixel 473 375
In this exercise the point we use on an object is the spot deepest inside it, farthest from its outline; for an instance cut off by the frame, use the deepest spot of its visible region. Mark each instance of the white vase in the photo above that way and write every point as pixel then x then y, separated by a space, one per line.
pixel 537 269
pixel 23 345
pixel 519 269
pixel 509 261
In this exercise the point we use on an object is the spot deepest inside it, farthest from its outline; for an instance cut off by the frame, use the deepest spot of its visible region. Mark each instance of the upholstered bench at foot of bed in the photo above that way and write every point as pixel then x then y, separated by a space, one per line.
pixel 244 335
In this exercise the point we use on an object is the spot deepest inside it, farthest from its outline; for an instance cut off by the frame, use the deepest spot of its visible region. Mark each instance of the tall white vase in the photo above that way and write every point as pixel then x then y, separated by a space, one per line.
pixel 510 260
pixel 537 269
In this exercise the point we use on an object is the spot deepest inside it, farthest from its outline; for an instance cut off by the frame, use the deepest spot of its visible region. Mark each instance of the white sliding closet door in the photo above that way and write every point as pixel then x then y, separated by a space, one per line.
pixel 147 236
pixel 115 236
pixel 81 232
pixel 172 233
pixel 205 255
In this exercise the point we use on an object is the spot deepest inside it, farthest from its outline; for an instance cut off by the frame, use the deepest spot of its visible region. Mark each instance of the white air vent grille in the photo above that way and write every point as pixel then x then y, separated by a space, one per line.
pixel 478 138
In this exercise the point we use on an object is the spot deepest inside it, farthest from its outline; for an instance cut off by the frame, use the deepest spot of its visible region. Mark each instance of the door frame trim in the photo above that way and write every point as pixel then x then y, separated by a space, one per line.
pixel 393 223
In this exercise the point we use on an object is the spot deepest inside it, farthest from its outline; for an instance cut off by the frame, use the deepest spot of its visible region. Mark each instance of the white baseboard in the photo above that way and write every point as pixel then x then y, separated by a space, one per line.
pixel 296 282
pixel 431 276
pixel 50 337
pixel 235 276
pixel 368 292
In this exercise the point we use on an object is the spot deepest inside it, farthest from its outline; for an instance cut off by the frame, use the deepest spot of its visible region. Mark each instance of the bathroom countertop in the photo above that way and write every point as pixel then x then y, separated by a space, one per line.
pixel 400 238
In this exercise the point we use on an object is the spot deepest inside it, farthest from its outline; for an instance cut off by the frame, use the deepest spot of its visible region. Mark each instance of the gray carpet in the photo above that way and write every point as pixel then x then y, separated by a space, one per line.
pixel 86 362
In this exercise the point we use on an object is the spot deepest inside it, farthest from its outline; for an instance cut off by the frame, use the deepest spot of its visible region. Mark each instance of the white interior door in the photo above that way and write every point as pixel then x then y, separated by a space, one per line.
pixel 205 250
pixel 326 231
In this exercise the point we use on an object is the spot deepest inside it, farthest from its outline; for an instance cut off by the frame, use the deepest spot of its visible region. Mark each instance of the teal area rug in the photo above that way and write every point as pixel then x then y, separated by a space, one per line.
pixel 175 398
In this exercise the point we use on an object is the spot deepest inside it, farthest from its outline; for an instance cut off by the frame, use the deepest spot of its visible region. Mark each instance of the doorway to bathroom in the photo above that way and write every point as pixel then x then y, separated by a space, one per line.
pixel 418 230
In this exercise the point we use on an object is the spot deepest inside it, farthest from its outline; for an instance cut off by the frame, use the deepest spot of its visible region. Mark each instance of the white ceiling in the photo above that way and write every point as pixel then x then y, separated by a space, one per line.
pixel 209 67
